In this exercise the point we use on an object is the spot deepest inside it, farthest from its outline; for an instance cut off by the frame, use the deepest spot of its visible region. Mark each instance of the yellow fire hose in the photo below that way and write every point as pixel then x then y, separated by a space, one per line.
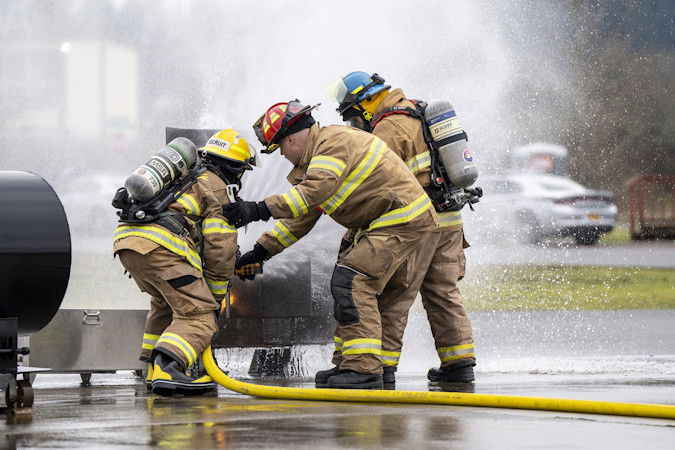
pixel 437 398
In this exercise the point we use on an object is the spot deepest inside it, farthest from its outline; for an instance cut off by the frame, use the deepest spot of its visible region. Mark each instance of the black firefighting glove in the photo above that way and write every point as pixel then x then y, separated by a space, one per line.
pixel 242 213
pixel 250 263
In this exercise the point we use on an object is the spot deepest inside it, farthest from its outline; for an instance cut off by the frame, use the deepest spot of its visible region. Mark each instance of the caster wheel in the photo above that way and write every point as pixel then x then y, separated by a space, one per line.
pixel 20 398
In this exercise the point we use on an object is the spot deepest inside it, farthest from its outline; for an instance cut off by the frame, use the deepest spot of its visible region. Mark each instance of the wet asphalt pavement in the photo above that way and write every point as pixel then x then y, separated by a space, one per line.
pixel 621 356
pixel 117 412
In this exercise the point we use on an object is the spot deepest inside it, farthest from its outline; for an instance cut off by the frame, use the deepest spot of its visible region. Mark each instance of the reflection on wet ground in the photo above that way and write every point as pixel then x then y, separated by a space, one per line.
pixel 117 412
pixel 622 356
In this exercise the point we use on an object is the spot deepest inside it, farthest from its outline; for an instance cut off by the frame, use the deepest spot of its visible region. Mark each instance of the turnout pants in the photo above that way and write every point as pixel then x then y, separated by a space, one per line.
pixel 433 270
pixel 361 273
pixel 182 316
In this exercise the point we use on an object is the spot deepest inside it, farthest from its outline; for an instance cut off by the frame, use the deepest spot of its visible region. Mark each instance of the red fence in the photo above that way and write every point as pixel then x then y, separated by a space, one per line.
pixel 651 201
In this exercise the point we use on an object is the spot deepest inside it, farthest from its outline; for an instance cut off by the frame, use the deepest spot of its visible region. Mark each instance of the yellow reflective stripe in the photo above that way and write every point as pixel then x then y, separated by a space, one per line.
pixel 217 287
pixel 450 218
pixel 361 346
pixel 456 352
pixel 296 193
pixel 356 176
pixel 419 162
pixel 190 204
pixel 180 343
pixel 283 235
pixel 402 215
pixel 327 163
pixel 215 225
pixel 149 341
pixel 162 237
pixel 338 343
pixel 363 341
pixel 295 202
pixel 390 358
pixel 360 351
pixel 454 357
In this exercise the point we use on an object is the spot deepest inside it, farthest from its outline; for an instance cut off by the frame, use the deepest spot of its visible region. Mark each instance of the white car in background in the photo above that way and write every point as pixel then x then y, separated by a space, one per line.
pixel 88 203
pixel 534 206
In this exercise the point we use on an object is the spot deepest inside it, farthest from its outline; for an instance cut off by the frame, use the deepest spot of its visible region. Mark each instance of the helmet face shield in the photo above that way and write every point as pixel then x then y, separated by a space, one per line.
pixel 337 90
pixel 350 90
pixel 254 160
pixel 274 125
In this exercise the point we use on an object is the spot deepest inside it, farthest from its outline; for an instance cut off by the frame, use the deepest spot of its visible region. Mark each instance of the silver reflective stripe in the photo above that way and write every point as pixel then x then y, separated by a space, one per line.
pixel 190 204
pixel 390 358
pixel 349 347
pixel 447 219
pixel 181 344
pixel 354 179
pixel 163 238
pixel 449 352
pixel 405 215
pixel 217 226
pixel 419 162
pixel 325 163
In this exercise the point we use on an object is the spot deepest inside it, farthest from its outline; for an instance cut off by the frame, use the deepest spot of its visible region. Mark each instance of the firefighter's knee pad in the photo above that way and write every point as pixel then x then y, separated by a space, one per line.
pixel 344 310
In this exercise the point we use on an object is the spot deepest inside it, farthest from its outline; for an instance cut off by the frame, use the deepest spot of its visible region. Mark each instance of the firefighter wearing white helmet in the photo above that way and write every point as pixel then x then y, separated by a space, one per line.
pixel 367 103
pixel 185 259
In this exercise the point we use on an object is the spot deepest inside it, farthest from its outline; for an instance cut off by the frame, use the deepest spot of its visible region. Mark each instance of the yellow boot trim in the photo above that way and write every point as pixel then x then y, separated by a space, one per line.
pixel 204 379
pixel 159 374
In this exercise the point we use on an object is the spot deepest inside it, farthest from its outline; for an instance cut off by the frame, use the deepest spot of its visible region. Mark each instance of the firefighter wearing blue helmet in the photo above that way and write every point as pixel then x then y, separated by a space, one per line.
pixel 366 102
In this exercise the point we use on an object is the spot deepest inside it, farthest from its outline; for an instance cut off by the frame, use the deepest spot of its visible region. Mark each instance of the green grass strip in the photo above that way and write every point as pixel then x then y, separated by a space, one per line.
pixel 526 287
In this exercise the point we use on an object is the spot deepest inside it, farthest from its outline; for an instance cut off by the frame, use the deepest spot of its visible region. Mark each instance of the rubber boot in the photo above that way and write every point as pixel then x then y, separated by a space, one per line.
pixel 348 379
pixel 389 375
pixel 168 378
pixel 463 374
pixel 148 377
pixel 322 376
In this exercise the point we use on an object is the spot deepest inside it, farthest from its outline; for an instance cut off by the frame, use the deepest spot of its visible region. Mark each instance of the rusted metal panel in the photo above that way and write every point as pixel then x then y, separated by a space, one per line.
pixel 651 200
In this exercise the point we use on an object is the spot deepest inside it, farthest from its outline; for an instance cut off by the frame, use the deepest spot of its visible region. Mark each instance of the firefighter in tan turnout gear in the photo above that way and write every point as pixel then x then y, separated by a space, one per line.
pixel 367 103
pixel 353 177
pixel 184 259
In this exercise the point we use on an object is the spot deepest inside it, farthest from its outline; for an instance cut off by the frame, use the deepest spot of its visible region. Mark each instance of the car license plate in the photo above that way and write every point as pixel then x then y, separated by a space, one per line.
pixel 594 217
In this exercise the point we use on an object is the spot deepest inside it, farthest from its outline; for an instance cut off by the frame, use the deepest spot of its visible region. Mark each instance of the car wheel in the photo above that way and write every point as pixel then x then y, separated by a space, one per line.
pixel 527 227
pixel 587 237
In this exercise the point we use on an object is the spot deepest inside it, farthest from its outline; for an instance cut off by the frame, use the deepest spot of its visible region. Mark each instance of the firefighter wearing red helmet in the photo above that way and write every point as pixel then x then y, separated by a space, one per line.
pixel 365 101
pixel 352 176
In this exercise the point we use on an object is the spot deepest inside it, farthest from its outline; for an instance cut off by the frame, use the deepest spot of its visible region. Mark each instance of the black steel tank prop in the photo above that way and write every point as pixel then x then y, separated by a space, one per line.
pixel 35 260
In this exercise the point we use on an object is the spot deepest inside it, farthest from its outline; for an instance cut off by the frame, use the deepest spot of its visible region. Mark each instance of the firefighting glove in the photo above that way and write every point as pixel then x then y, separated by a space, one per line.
pixel 242 213
pixel 251 263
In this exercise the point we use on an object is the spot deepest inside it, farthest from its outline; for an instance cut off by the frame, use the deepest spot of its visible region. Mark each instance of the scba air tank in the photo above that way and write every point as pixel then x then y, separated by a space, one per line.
pixel 450 140
pixel 173 161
